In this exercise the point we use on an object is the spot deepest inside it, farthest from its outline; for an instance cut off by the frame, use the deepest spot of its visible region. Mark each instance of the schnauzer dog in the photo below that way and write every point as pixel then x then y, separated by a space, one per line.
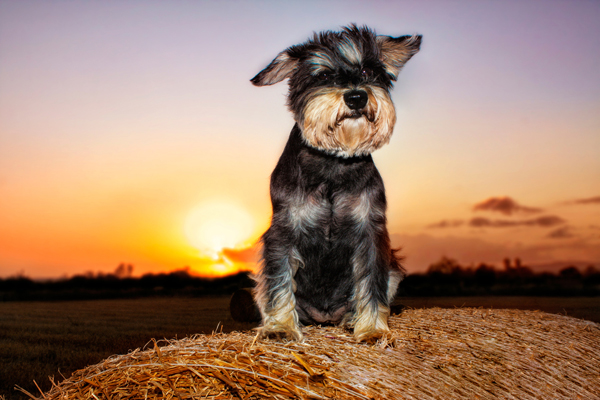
pixel 327 256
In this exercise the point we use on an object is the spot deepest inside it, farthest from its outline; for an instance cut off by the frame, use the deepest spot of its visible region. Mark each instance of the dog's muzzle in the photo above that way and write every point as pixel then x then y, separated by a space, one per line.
pixel 356 99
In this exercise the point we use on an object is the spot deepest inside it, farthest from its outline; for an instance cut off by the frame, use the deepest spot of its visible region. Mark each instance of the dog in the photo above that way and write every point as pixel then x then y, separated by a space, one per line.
pixel 327 258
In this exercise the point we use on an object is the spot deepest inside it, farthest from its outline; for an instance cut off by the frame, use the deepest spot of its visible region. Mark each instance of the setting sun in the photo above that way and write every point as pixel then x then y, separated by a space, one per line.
pixel 160 157
pixel 214 226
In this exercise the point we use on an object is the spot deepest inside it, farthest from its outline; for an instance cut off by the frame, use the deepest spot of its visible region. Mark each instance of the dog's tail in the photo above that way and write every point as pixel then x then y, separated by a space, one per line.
pixel 396 261
pixel 397 274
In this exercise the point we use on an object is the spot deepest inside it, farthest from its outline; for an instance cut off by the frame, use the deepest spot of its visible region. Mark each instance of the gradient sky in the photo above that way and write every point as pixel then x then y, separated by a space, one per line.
pixel 120 120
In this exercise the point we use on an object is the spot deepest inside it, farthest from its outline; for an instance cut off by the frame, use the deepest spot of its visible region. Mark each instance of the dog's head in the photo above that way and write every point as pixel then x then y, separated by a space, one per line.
pixel 339 87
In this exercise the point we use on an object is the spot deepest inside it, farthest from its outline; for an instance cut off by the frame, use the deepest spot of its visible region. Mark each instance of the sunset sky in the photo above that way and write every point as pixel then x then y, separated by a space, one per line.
pixel 130 133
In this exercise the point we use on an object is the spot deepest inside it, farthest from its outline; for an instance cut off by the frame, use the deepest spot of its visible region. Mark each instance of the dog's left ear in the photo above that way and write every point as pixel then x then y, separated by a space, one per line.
pixel 395 52
pixel 280 68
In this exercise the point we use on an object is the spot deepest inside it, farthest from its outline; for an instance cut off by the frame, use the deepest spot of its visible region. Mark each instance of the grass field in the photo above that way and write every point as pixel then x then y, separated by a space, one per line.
pixel 42 339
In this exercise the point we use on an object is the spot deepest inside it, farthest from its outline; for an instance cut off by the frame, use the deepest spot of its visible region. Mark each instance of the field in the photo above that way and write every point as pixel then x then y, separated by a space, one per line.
pixel 42 339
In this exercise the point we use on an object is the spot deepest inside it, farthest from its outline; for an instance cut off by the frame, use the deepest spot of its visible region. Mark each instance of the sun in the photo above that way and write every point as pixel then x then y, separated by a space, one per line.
pixel 212 226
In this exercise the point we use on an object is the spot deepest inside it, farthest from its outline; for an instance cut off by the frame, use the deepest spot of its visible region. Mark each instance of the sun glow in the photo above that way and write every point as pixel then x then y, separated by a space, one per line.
pixel 214 226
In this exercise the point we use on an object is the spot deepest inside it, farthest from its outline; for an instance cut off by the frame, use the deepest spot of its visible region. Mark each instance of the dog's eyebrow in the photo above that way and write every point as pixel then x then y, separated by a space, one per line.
pixel 321 61
pixel 349 50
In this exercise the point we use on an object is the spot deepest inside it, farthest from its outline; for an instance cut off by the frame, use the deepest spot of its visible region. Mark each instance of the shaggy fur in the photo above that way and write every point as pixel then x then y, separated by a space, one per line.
pixel 327 256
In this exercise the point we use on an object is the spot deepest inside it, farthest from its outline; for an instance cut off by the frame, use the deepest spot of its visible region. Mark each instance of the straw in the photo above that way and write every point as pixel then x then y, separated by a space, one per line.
pixel 435 353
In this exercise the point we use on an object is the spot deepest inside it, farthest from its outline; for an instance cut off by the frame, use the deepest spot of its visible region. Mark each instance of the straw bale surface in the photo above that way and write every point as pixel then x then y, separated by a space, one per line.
pixel 435 353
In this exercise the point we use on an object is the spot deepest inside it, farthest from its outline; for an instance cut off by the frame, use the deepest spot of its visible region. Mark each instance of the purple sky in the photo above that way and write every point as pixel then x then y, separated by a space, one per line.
pixel 118 118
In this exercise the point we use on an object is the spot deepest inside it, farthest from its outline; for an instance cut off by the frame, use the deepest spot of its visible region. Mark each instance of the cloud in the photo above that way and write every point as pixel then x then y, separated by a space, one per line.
pixel 563 232
pixel 482 222
pixel 246 255
pixel 447 224
pixel 589 200
pixel 504 205
pixel 544 221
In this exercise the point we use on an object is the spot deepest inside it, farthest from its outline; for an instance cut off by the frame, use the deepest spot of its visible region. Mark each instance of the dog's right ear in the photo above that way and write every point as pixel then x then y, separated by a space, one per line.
pixel 280 68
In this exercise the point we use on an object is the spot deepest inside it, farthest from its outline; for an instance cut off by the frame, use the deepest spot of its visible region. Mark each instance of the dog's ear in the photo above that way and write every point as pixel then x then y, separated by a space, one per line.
pixel 395 52
pixel 280 68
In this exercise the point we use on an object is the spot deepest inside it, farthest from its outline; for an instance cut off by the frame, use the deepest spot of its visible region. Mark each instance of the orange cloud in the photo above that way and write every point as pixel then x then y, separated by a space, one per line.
pixel 504 205
pixel 564 232
pixel 453 223
pixel 482 222
pixel 246 255
pixel 589 200
pixel 545 221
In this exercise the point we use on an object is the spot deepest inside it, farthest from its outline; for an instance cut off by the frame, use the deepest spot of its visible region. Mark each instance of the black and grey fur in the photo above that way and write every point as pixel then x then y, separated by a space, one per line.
pixel 327 256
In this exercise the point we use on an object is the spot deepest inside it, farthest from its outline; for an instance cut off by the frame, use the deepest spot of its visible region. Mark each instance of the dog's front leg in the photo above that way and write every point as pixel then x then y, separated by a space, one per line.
pixel 373 276
pixel 275 285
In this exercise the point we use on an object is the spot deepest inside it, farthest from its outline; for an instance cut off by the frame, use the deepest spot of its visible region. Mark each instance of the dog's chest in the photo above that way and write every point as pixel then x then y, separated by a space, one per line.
pixel 329 175
pixel 328 197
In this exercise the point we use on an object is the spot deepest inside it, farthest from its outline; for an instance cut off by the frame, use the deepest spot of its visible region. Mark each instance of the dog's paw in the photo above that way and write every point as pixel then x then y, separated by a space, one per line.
pixel 280 335
pixel 371 335
pixel 371 326
pixel 279 331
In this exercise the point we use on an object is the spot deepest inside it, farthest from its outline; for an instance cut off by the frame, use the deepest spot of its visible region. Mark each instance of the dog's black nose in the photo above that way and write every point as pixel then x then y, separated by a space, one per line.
pixel 356 99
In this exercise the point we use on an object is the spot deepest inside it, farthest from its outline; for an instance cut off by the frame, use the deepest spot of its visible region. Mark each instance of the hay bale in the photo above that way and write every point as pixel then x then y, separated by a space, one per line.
pixel 432 353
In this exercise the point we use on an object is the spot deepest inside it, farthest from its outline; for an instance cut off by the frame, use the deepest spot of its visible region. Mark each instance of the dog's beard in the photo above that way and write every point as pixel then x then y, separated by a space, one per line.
pixel 329 125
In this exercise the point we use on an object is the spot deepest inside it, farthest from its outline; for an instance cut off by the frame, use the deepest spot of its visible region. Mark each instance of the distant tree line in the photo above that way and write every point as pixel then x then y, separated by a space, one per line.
pixel 120 284
pixel 448 278
pixel 443 278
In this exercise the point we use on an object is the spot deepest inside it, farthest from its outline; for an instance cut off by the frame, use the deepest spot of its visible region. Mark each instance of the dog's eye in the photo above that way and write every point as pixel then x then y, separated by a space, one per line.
pixel 324 76
pixel 366 72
